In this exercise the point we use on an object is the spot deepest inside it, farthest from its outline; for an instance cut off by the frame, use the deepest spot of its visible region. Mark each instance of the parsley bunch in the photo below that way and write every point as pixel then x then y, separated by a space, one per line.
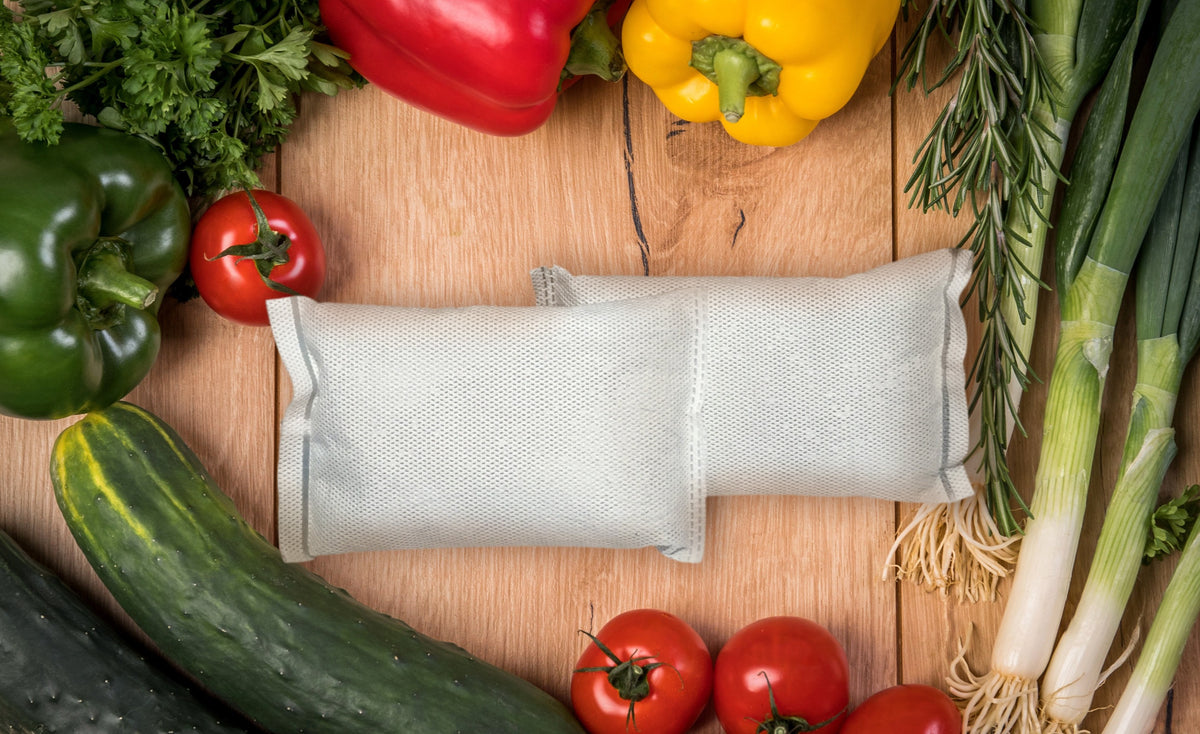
pixel 212 83
pixel 1172 523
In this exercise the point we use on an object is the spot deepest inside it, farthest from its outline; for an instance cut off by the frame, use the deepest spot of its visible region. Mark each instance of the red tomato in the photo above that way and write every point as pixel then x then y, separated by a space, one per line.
pixel 657 660
pixel 781 674
pixel 905 709
pixel 232 284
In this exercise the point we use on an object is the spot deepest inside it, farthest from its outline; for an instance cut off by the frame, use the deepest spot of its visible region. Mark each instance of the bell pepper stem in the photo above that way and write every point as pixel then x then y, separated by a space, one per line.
pixel 595 49
pixel 735 73
pixel 738 69
pixel 104 279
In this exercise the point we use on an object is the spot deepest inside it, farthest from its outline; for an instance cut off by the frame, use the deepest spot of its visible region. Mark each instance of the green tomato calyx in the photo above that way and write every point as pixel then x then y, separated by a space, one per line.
pixel 267 252
pixel 780 724
pixel 630 677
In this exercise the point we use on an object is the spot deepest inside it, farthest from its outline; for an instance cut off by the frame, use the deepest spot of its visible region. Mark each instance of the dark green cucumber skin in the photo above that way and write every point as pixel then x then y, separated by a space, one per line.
pixel 68 670
pixel 272 639
pixel 14 720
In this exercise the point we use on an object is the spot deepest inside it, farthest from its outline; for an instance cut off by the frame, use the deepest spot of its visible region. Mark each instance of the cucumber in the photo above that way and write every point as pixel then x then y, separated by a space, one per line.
pixel 13 720
pixel 272 639
pixel 69 671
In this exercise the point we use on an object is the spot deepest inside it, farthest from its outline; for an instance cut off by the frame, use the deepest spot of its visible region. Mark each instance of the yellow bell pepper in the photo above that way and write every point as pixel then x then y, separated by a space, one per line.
pixel 768 70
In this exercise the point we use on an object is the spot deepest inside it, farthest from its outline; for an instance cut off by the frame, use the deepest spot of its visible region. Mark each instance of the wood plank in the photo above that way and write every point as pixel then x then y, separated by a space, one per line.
pixel 662 198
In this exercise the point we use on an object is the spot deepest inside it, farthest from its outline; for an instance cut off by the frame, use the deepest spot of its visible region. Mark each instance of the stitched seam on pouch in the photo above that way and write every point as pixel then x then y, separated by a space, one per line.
pixel 306 439
pixel 541 287
pixel 696 435
pixel 948 300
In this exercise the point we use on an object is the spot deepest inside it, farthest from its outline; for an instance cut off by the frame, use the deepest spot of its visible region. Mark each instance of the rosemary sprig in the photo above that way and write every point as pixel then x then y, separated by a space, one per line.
pixel 987 153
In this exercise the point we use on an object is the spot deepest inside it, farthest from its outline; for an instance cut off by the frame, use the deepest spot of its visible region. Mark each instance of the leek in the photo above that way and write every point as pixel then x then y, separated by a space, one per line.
pixel 997 147
pixel 1005 698
pixel 1168 289
pixel 1139 704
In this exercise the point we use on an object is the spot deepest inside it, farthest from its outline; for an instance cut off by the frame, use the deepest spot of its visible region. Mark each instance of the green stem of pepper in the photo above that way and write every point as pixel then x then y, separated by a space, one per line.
pixel 738 69
pixel 595 49
pixel 105 280
pixel 735 74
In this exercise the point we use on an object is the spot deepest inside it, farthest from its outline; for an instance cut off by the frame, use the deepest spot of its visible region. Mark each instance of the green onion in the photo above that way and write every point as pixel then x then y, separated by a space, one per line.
pixel 1140 702
pixel 1166 289
pixel 1005 698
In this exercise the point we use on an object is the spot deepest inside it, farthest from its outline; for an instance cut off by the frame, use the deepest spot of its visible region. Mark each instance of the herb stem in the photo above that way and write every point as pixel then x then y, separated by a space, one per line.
pixel 101 71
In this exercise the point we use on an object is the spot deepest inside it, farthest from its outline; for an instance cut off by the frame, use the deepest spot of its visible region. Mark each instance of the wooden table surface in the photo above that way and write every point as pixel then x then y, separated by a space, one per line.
pixel 418 211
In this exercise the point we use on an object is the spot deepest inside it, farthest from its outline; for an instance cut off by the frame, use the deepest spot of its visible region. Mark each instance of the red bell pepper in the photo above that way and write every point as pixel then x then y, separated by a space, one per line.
pixel 496 66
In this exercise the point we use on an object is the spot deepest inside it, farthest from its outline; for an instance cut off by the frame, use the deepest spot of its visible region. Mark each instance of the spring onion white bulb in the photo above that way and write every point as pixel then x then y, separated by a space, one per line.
pixel 1005 698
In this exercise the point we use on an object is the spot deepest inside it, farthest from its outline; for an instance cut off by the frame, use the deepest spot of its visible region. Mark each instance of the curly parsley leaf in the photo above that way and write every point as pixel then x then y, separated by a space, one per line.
pixel 167 75
pixel 30 96
pixel 277 66
pixel 1171 524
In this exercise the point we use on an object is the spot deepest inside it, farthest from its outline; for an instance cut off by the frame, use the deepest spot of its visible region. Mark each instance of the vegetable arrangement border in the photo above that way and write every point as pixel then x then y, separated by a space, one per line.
pixel 216 110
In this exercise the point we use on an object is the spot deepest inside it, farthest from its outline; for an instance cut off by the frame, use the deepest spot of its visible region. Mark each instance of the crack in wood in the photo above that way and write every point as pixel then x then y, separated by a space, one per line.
pixel 738 229
pixel 643 245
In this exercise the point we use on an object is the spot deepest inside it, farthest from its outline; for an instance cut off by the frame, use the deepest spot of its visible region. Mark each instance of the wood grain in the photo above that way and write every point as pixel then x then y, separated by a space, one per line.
pixel 641 194
pixel 418 211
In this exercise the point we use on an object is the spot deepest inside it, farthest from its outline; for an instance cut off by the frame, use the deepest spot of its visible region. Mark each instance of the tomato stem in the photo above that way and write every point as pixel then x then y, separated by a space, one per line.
pixel 779 724
pixel 268 251
pixel 630 677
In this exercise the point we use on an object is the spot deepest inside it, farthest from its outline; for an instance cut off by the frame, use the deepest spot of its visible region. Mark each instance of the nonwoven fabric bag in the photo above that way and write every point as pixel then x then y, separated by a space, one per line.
pixel 835 387
pixel 491 426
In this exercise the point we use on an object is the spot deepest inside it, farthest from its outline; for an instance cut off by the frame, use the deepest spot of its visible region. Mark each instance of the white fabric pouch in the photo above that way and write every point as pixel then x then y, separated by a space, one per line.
pixel 836 387
pixel 491 426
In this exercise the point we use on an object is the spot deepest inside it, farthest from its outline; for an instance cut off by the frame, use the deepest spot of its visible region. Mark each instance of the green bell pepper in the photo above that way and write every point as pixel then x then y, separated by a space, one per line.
pixel 93 231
